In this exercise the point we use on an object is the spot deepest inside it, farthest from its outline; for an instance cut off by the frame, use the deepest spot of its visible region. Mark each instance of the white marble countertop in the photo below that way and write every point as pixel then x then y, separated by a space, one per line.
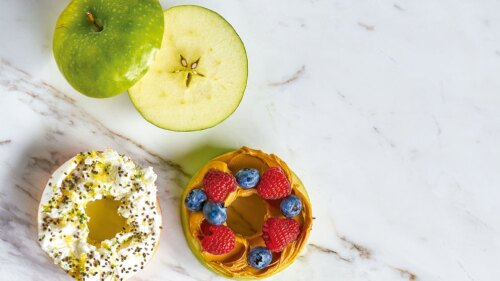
pixel 388 111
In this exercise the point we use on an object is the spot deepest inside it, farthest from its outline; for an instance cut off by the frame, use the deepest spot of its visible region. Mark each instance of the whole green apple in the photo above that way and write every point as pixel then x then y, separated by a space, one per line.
pixel 103 47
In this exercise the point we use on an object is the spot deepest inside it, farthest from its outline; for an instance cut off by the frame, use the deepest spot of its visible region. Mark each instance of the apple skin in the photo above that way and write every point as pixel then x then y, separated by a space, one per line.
pixel 104 63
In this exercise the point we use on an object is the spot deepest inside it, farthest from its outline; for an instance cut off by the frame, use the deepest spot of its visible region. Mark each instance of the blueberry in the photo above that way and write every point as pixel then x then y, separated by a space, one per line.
pixel 247 178
pixel 214 212
pixel 259 257
pixel 291 206
pixel 195 199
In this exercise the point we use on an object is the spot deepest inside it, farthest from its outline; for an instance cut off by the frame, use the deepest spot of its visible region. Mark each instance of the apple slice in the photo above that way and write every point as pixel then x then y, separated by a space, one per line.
pixel 199 75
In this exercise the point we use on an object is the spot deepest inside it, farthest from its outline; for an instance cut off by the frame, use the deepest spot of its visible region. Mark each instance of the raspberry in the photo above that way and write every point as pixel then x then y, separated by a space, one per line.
pixel 205 228
pixel 218 185
pixel 279 232
pixel 274 184
pixel 218 239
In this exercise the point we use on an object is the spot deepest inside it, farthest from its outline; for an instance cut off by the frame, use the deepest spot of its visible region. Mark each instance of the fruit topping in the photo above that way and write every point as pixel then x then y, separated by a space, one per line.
pixel 220 240
pixel 215 212
pixel 218 185
pixel 291 206
pixel 279 232
pixel 247 178
pixel 259 257
pixel 205 227
pixel 274 184
pixel 195 199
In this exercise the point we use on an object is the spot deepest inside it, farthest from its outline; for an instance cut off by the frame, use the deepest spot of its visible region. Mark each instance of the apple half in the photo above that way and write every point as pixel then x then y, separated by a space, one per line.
pixel 199 75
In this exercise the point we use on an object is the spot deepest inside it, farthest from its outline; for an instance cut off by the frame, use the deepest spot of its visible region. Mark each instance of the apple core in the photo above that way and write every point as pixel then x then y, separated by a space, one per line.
pixel 189 69
pixel 105 222
pixel 245 215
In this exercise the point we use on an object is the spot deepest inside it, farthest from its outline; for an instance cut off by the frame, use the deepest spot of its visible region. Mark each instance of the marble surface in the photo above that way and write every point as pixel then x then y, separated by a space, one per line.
pixel 387 110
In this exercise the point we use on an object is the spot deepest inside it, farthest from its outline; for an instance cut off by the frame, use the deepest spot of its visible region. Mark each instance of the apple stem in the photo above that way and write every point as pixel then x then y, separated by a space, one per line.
pixel 90 16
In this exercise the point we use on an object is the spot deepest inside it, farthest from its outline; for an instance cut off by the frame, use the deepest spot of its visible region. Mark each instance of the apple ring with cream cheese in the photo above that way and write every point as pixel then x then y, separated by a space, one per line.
pixel 99 217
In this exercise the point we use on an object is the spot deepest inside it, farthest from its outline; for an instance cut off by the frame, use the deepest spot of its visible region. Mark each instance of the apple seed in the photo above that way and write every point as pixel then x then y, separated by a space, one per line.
pixel 195 64
pixel 184 61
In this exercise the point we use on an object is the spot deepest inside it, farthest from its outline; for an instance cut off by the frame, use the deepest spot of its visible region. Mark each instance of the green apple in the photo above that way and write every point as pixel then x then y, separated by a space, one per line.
pixel 199 76
pixel 103 47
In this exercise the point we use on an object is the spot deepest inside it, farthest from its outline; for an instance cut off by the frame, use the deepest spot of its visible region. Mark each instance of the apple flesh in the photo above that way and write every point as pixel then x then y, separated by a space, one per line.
pixel 199 76
pixel 103 47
